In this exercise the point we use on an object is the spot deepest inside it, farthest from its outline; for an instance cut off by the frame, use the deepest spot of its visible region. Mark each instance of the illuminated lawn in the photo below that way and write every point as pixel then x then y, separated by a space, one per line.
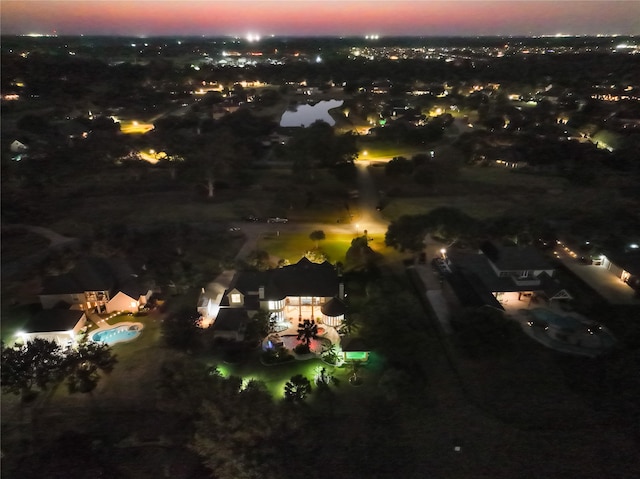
pixel 276 376
pixel 292 246
pixel 133 127
pixel 485 208
pixel 384 151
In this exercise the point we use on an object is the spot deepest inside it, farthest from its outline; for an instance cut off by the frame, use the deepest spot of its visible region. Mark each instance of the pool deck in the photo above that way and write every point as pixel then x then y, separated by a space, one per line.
pixel 98 321
pixel 523 317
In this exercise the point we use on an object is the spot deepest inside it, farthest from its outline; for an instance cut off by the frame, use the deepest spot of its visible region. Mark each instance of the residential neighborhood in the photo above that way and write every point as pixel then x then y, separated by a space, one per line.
pixel 361 256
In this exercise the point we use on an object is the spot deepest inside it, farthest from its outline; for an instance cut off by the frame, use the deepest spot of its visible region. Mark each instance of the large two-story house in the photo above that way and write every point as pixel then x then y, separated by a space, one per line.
pixel 304 290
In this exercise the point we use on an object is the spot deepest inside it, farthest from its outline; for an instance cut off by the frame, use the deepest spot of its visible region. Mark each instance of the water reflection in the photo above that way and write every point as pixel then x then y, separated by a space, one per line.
pixel 305 115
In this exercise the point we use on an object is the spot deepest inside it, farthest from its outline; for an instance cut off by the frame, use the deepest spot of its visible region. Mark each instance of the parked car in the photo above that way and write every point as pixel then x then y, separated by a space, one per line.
pixel 277 220
pixel 440 265
pixel 251 218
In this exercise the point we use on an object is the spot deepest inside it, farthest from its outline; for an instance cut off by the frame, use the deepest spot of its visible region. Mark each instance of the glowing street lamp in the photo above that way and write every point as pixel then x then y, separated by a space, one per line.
pixel 443 252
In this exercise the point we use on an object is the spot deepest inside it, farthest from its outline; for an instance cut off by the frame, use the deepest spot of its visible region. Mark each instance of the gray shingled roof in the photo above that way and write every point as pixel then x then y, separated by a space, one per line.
pixel 628 260
pixel 334 307
pixel 53 320
pixel 353 344
pixel 301 279
pixel 515 258
pixel 94 274
pixel 230 319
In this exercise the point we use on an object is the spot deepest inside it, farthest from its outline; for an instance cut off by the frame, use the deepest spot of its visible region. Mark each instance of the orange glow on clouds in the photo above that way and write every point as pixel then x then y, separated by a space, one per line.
pixel 319 17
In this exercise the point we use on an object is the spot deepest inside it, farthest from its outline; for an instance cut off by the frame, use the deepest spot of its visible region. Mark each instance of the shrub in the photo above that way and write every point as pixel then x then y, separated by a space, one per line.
pixel 302 348
pixel 277 356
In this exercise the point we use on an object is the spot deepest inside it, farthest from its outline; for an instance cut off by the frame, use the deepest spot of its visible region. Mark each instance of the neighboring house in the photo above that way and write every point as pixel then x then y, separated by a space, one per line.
pixel 59 325
pixel 304 290
pixel 624 264
pixel 96 284
pixel 509 273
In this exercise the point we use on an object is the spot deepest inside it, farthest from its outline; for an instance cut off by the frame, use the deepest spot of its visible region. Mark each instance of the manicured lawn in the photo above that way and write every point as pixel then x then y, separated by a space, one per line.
pixel 384 150
pixel 292 246
pixel 276 376
pixel 149 337
pixel 487 207
pixel 506 178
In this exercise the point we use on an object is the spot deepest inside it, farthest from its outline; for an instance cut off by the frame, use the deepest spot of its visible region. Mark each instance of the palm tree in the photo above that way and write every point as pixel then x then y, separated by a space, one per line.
pixel 297 388
pixel 355 380
pixel 330 354
pixel 307 330
pixel 349 324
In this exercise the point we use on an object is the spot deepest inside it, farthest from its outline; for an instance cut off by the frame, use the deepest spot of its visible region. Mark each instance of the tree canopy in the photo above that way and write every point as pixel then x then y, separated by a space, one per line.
pixel 408 231
pixel 41 363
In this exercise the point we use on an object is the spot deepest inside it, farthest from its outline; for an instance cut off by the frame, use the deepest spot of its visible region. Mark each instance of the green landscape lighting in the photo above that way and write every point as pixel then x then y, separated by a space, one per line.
pixel 356 355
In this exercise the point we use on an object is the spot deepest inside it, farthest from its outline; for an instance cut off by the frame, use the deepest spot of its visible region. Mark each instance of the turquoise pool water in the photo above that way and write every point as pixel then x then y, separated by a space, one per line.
pixel 118 334
pixel 564 322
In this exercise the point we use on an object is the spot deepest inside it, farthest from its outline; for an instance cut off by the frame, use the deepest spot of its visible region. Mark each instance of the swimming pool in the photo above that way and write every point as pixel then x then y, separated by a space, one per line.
pixel 118 334
pixel 562 322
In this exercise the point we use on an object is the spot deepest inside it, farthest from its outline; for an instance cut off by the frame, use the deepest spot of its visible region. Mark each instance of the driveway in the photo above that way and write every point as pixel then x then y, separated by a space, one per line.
pixel 603 281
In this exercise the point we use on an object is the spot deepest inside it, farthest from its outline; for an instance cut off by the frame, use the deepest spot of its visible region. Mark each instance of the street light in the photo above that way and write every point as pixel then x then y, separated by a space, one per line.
pixel 443 252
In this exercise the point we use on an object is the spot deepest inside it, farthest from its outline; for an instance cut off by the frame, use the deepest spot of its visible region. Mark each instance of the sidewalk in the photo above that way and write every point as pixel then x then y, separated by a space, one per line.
pixel 433 293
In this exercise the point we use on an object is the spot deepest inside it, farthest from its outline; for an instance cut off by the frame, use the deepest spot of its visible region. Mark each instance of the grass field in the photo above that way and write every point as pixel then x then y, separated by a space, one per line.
pixel 383 150
pixel 292 246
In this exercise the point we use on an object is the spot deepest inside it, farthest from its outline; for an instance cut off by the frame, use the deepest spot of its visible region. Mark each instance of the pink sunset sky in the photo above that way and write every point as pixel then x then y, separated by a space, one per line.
pixel 320 17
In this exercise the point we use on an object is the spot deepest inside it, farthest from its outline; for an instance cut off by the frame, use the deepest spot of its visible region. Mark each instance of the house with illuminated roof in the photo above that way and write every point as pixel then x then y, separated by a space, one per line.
pixel 304 290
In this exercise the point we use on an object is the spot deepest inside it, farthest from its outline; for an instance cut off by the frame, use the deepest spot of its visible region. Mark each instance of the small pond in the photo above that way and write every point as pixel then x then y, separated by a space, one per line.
pixel 305 115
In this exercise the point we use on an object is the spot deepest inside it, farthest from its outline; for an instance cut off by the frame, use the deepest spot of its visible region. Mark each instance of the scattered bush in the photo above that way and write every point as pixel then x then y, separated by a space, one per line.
pixel 302 348
pixel 277 356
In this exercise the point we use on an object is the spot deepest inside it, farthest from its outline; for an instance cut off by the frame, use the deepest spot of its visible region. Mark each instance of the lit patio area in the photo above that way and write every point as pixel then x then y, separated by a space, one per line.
pixel 290 328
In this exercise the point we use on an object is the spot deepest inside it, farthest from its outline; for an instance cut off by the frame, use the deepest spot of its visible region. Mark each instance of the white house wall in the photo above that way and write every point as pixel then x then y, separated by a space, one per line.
pixel 62 338
pixel 123 302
